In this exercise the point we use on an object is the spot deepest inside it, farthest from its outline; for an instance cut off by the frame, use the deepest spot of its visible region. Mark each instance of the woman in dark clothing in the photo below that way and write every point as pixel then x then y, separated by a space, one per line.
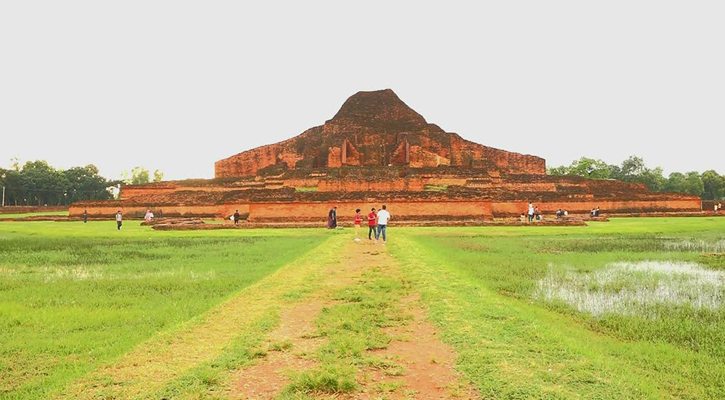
pixel 332 218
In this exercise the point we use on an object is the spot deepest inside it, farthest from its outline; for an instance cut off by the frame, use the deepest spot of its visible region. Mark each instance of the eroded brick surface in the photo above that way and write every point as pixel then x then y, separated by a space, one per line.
pixel 376 129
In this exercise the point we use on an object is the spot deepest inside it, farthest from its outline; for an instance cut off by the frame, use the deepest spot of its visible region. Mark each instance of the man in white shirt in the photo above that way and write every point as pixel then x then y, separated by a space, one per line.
pixel 531 212
pixel 383 218
pixel 119 219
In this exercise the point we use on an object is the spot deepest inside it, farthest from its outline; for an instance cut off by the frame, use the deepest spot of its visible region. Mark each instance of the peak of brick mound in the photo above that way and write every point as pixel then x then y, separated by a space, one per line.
pixel 375 129
pixel 380 109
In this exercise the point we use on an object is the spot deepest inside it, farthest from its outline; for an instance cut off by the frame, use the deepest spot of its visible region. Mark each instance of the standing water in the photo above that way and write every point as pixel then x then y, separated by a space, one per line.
pixel 634 288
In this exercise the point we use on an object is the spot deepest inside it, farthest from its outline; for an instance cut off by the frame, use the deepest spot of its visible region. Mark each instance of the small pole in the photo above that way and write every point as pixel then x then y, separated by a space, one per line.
pixel 3 196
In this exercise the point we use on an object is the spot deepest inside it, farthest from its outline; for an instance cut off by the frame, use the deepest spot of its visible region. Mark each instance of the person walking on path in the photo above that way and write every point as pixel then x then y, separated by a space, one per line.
pixel 332 218
pixel 372 224
pixel 383 218
pixel 236 217
pixel 119 219
pixel 85 216
pixel 531 212
pixel 357 224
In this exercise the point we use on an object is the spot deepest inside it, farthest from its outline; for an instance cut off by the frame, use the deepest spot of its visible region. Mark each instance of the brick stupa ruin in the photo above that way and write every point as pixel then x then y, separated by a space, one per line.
pixel 377 150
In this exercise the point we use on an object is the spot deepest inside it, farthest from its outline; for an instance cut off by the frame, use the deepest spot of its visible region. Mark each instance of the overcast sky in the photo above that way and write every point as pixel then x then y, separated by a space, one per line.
pixel 177 85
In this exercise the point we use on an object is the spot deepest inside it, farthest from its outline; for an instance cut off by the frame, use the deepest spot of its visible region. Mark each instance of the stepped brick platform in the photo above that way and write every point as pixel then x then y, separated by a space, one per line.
pixel 376 150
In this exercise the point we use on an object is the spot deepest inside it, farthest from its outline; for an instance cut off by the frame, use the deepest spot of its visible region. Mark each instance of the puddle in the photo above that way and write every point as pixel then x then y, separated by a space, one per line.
pixel 696 245
pixel 79 273
pixel 635 288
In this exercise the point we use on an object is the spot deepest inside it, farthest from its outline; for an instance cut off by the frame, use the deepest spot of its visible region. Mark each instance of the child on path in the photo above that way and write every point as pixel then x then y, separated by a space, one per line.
pixel 383 218
pixel 358 224
pixel 119 219
pixel 372 224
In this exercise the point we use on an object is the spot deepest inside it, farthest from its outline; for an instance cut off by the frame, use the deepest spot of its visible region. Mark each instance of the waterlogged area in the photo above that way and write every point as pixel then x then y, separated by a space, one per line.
pixel 696 245
pixel 635 288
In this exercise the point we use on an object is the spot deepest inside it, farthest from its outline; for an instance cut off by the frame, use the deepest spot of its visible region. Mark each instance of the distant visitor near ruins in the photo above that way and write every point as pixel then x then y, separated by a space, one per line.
pixel 378 150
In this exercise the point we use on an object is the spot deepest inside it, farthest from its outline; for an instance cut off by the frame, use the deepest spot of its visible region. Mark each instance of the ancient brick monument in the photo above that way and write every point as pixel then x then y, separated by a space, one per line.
pixel 378 150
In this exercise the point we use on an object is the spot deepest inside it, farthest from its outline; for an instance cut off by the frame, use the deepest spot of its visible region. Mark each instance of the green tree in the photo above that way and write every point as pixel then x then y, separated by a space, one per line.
pixel 586 167
pixel 137 176
pixel 713 185
pixel 43 184
pixel 85 183
pixel 689 183
pixel 158 176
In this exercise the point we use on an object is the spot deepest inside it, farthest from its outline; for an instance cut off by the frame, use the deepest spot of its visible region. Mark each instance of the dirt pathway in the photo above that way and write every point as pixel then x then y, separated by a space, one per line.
pixel 288 349
pixel 291 346
pixel 427 363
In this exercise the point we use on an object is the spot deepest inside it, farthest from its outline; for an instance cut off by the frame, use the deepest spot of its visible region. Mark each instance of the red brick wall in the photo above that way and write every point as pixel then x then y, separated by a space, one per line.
pixel 403 209
pixel 348 185
pixel 504 209
pixel 346 210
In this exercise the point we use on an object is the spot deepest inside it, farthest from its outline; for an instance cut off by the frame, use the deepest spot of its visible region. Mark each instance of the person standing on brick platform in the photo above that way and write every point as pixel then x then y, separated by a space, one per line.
pixel 85 216
pixel 236 217
pixel 372 224
pixel 119 219
pixel 531 212
pixel 383 218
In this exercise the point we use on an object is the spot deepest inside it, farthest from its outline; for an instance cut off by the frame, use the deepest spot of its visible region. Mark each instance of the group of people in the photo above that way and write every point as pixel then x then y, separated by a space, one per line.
pixel 532 214
pixel 119 217
pixel 377 223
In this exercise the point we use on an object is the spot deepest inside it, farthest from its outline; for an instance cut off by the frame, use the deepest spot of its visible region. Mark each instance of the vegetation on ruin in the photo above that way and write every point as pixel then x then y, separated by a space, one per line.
pixel 709 184
pixel 630 308
pixel 436 188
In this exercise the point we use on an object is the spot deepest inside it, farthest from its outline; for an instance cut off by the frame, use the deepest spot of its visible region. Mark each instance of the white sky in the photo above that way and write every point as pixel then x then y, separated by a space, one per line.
pixel 177 85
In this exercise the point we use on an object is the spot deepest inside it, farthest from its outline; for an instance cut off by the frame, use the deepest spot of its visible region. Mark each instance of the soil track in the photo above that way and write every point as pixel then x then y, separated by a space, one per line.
pixel 287 347
pixel 427 363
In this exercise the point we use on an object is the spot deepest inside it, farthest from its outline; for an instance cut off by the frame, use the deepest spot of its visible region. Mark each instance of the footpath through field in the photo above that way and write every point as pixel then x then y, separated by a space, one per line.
pixel 341 321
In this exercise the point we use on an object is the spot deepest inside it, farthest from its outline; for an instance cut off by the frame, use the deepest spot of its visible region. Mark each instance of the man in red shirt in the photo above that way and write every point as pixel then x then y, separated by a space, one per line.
pixel 357 224
pixel 372 223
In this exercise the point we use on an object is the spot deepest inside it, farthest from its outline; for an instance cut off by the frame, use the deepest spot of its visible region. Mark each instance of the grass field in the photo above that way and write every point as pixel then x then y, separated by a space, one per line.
pixel 23 215
pixel 632 308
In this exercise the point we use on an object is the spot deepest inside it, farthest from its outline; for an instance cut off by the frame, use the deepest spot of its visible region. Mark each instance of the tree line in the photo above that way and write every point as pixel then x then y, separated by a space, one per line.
pixel 709 185
pixel 37 183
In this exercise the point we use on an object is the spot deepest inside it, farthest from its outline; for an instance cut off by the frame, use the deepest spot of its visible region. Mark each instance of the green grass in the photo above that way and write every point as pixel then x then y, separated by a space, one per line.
pixel 436 188
pixel 73 296
pixel 23 215
pixel 481 286
pixel 307 189
pixel 77 298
